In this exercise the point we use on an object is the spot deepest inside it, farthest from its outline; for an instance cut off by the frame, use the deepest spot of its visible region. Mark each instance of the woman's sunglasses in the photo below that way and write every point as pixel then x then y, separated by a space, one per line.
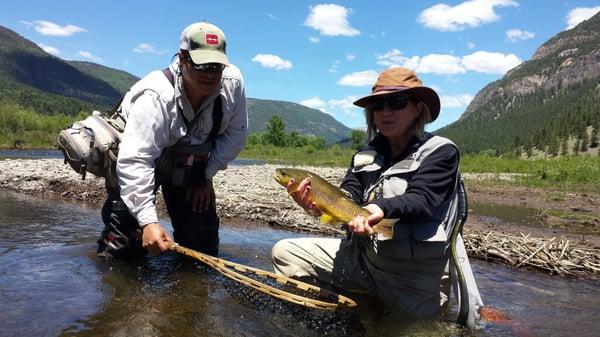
pixel 394 103
pixel 206 67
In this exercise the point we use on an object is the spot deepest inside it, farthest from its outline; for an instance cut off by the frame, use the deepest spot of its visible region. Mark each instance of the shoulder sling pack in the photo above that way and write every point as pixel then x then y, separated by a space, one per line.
pixel 91 145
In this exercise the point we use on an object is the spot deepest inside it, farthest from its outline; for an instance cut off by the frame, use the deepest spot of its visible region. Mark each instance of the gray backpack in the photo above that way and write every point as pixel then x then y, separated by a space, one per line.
pixel 91 145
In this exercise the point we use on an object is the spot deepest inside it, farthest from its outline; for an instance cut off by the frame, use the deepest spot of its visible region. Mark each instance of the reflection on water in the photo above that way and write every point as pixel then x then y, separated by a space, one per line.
pixel 52 284
pixel 531 217
pixel 30 154
pixel 512 214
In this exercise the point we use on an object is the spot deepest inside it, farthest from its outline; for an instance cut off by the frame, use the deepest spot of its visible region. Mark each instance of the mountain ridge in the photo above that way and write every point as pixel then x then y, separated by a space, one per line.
pixel 36 80
pixel 548 100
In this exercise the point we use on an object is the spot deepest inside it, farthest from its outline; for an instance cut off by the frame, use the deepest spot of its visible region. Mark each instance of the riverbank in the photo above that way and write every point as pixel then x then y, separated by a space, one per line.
pixel 249 194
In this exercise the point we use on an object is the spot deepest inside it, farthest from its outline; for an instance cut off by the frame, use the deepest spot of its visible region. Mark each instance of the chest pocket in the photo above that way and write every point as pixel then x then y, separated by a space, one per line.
pixel 394 180
pixel 393 186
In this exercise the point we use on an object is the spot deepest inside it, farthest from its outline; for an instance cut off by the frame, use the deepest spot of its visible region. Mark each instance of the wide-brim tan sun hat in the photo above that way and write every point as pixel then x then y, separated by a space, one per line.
pixel 398 80
pixel 205 42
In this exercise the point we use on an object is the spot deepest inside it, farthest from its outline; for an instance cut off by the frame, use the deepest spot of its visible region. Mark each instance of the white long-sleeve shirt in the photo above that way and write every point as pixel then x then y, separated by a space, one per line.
pixel 153 123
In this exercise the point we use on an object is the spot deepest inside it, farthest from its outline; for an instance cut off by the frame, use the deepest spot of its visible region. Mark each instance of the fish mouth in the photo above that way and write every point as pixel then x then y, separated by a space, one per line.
pixel 278 178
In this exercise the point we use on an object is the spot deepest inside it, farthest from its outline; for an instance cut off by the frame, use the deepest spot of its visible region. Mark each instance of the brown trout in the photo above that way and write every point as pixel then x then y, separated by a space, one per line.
pixel 334 205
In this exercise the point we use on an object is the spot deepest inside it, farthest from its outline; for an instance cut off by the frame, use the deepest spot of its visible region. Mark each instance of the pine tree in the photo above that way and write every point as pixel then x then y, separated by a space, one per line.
pixel 594 139
pixel 358 139
pixel 553 147
pixel 275 133
pixel 564 147
pixel 585 140
pixel 576 147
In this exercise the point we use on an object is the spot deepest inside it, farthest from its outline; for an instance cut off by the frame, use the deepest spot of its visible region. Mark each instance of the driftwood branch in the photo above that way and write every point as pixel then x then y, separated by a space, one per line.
pixel 549 254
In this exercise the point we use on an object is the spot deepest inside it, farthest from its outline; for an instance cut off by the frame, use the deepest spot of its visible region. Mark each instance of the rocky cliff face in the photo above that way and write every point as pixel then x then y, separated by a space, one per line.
pixel 569 58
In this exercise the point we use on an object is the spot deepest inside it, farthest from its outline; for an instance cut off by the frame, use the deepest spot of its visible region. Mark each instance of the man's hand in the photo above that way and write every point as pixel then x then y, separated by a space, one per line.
pixel 302 195
pixel 155 239
pixel 201 197
pixel 364 226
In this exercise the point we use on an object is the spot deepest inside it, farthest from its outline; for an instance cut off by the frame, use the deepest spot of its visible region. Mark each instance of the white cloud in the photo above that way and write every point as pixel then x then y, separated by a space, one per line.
pixel 86 55
pixel 470 45
pixel 343 105
pixel 334 67
pixel 458 101
pixel 313 39
pixel 468 14
pixel 49 49
pixel 330 20
pixel 273 17
pixel 52 29
pixel 580 14
pixel 315 103
pixel 148 49
pixel 491 63
pixel 440 64
pixel 272 61
pixel 394 58
pixel 350 57
pixel 481 61
pixel 514 35
pixel 359 79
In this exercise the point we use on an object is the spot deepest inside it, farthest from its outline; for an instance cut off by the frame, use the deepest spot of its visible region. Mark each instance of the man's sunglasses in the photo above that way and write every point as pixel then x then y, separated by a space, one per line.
pixel 206 67
pixel 394 103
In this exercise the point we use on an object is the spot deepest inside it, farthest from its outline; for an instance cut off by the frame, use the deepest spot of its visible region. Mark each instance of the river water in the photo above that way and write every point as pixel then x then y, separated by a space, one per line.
pixel 51 284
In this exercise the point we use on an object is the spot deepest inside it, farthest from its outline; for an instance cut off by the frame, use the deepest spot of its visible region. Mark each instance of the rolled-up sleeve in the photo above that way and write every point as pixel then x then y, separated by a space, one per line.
pixel 145 135
pixel 232 140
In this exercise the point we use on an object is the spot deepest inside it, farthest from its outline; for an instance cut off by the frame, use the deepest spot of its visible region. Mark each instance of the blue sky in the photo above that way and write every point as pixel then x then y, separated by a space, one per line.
pixel 320 54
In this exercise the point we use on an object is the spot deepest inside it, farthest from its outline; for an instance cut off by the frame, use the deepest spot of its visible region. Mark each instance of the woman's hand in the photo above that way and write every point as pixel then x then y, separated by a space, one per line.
pixel 301 195
pixel 364 226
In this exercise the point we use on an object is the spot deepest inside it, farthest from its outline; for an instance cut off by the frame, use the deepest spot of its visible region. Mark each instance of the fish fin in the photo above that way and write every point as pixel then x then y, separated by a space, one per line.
pixel 326 218
pixel 385 228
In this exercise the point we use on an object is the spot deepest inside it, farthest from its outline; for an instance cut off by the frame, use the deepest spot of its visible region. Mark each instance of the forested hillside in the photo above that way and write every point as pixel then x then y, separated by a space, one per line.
pixel 35 82
pixel 118 79
pixel 23 65
pixel 300 118
pixel 550 103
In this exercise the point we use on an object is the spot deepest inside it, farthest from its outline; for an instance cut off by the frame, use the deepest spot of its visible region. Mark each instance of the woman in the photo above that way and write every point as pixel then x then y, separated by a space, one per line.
pixel 405 174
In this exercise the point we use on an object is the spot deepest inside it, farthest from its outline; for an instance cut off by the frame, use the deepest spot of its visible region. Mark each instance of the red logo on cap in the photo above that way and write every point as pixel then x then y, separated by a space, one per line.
pixel 212 39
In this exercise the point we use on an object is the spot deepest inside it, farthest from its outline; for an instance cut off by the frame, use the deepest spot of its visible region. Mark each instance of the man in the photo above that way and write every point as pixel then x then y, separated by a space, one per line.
pixel 184 124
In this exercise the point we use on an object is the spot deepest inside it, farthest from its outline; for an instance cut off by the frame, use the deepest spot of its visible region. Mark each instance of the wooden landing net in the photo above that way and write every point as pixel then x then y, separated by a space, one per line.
pixel 233 271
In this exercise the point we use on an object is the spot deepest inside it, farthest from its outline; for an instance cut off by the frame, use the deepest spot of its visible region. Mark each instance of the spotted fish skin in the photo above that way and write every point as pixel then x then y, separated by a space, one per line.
pixel 334 205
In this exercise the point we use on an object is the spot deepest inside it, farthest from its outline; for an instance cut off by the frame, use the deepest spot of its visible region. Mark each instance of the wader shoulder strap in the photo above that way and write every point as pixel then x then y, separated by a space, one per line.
pixel 217 118
pixel 169 76
pixel 114 109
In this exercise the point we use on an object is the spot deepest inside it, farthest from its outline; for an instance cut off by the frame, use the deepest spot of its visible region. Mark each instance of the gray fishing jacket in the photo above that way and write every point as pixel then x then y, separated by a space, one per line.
pixel 154 123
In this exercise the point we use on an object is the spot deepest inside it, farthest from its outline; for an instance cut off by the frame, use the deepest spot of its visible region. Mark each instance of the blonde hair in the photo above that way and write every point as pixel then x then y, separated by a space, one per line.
pixel 417 129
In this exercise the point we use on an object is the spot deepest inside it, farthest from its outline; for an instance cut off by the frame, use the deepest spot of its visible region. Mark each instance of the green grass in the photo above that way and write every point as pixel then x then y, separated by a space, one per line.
pixel 568 174
pixel 575 173
pixel 335 156
pixel 25 128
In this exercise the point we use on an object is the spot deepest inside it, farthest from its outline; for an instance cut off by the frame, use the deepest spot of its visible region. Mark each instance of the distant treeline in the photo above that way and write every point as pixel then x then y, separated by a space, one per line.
pixel 25 128
pixel 563 121
pixel 277 136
